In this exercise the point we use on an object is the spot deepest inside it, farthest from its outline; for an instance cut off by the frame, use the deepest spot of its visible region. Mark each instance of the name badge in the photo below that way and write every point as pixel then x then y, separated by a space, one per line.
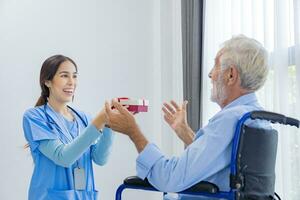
pixel 79 179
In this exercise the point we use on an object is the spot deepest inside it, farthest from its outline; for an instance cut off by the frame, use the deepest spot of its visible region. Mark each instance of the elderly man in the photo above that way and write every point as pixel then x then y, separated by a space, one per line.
pixel 240 69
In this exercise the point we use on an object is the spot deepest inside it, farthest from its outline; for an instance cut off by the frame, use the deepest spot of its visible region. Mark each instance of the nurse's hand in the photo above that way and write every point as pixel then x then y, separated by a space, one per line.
pixel 100 120
pixel 176 117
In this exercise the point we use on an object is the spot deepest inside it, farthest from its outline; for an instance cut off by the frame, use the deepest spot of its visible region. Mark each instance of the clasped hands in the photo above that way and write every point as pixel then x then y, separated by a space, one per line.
pixel 121 120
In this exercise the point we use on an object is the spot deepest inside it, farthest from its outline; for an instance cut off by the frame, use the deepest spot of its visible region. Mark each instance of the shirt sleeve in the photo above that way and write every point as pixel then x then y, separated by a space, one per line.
pixel 66 154
pixel 101 150
pixel 206 156
pixel 36 128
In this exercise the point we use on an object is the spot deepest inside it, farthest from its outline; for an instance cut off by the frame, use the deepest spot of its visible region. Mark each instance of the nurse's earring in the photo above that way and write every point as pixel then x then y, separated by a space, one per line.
pixel 47 84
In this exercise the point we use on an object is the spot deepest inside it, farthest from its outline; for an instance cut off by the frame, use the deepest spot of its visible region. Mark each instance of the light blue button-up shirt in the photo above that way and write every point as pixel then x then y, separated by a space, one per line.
pixel 207 158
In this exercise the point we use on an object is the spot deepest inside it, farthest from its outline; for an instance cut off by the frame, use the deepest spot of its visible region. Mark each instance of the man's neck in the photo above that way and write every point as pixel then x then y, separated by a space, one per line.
pixel 234 96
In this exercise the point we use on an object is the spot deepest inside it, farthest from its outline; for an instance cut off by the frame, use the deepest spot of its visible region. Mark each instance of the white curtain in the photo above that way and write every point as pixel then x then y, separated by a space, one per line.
pixel 168 79
pixel 276 24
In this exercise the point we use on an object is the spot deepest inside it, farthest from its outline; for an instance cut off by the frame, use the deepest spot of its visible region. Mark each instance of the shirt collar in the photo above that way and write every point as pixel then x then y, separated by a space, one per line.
pixel 52 114
pixel 242 100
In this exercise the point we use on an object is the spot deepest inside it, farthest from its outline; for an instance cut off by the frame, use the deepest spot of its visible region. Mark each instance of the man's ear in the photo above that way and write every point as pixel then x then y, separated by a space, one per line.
pixel 232 75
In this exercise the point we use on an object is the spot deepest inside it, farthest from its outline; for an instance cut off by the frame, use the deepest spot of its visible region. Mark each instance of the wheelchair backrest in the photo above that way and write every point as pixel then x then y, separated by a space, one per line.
pixel 256 162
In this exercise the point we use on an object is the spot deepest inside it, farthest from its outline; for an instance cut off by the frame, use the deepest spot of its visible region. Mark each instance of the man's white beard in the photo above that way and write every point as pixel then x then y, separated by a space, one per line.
pixel 218 93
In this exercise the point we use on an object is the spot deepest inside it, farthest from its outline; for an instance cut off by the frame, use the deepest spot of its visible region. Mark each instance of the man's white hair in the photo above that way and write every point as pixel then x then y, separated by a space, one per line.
pixel 249 57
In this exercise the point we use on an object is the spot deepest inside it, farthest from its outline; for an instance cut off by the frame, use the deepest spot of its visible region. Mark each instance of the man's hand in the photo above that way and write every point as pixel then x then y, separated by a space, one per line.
pixel 122 121
pixel 175 116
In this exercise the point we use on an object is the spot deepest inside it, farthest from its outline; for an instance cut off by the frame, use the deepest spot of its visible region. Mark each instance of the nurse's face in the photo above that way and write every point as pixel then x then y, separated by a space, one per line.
pixel 62 86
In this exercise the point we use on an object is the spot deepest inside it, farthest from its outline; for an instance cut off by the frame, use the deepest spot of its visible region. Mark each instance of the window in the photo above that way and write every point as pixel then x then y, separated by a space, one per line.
pixel 276 25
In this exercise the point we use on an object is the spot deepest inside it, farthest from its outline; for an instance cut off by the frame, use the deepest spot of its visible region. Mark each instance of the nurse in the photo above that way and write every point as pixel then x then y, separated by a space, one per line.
pixel 64 141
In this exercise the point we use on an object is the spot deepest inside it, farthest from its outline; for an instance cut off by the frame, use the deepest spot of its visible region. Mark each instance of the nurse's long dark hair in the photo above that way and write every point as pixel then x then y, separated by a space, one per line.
pixel 48 70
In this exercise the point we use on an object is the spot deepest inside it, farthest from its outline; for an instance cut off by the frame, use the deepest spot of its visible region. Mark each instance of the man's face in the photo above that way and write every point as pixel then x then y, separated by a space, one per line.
pixel 219 92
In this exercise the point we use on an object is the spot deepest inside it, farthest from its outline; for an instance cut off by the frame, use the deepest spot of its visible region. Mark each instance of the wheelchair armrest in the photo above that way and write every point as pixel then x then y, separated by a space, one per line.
pixel 136 181
pixel 202 186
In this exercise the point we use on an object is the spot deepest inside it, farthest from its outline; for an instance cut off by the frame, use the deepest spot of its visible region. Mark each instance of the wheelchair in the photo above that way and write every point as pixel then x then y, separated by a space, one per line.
pixel 252 170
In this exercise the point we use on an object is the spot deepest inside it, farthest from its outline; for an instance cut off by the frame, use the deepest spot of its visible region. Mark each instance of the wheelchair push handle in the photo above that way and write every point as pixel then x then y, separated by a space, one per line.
pixel 274 118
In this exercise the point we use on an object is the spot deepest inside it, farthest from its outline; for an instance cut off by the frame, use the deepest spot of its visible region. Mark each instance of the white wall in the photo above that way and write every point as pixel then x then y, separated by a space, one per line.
pixel 116 45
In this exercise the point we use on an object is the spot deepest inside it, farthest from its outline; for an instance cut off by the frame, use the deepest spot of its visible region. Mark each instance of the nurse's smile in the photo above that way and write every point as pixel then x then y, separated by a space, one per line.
pixel 69 92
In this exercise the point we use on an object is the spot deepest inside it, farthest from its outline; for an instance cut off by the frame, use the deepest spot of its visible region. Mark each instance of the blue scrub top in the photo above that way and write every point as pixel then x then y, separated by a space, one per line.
pixel 50 181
